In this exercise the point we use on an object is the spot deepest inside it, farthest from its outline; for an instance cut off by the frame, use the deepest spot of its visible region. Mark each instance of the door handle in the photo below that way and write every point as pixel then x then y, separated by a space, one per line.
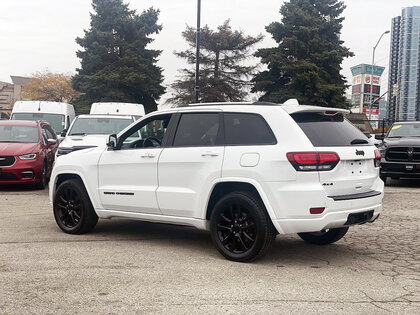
pixel 148 155
pixel 210 154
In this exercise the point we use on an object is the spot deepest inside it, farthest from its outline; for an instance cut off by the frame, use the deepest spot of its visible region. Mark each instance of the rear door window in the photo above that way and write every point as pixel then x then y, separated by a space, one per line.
pixel 198 129
pixel 329 130
pixel 247 129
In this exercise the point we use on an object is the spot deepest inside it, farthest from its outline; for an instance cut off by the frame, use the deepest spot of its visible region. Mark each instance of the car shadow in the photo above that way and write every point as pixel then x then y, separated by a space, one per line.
pixel 286 250
pixel 414 183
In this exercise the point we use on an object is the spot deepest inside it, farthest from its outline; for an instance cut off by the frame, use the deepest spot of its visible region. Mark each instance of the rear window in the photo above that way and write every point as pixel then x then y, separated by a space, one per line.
pixel 197 129
pixel 247 129
pixel 329 130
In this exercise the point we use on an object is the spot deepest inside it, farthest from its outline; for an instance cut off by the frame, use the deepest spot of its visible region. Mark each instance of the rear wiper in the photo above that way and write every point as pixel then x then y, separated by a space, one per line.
pixel 359 141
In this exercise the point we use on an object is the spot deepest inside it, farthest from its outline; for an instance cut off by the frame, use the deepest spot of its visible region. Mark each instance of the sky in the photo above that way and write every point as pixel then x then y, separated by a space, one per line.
pixel 40 35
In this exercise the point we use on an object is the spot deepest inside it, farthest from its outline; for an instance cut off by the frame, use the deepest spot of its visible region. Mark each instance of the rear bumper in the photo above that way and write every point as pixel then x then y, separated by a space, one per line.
pixel 331 219
pixel 400 169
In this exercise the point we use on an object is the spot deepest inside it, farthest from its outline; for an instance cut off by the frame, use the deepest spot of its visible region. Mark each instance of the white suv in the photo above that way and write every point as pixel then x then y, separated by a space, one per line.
pixel 246 172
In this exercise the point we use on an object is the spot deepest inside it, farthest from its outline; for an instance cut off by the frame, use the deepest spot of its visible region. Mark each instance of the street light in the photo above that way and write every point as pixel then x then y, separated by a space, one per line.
pixel 371 77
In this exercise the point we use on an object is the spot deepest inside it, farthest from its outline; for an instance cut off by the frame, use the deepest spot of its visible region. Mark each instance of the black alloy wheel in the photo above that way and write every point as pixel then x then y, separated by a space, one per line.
pixel 240 227
pixel 236 229
pixel 73 210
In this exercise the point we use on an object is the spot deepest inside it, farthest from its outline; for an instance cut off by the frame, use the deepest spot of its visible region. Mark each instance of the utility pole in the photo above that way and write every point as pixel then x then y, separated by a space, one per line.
pixel 197 53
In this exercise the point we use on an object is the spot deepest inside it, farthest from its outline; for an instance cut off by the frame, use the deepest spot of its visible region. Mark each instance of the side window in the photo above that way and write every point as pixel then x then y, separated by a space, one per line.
pixel 50 133
pixel 148 133
pixel 247 129
pixel 197 129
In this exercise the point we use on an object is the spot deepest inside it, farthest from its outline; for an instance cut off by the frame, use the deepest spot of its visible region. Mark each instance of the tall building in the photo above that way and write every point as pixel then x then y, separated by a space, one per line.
pixel 404 66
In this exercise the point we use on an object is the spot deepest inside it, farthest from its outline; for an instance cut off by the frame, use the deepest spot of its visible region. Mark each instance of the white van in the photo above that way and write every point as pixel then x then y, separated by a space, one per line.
pixel 132 109
pixel 59 115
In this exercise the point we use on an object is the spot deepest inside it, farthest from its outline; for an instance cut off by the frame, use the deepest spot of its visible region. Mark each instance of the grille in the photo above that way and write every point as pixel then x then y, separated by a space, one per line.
pixel 403 154
pixel 7 160
pixel 8 176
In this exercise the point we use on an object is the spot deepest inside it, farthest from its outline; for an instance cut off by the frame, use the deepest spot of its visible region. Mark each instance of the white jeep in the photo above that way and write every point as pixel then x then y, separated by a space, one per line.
pixel 244 171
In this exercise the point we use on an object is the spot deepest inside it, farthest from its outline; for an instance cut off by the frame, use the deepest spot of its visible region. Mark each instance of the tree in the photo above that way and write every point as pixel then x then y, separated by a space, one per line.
pixel 306 63
pixel 223 76
pixel 115 64
pixel 48 86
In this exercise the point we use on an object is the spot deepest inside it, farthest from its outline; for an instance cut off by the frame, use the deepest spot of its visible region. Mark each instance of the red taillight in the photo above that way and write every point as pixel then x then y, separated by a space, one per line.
pixel 313 161
pixel 316 210
pixel 377 158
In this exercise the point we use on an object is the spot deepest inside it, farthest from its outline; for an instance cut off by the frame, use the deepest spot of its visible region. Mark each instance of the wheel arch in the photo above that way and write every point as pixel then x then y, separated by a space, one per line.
pixel 228 185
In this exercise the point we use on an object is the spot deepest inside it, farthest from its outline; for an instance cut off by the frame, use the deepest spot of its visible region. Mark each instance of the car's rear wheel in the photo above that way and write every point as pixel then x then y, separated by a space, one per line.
pixel 44 177
pixel 324 237
pixel 72 208
pixel 240 227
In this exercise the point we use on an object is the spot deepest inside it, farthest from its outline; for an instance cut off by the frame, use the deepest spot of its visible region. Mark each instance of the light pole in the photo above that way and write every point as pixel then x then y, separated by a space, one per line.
pixel 197 53
pixel 371 76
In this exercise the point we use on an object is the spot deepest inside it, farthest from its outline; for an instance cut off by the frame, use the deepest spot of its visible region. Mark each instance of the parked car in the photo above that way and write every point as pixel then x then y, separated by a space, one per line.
pixel 132 109
pixel 89 131
pixel 58 115
pixel 245 172
pixel 400 151
pixel 4 115
pixel 27 152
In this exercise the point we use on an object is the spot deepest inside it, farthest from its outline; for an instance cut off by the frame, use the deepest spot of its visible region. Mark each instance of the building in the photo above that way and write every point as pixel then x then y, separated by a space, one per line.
pixel 364 77
pixel 11 92
pixel 404 71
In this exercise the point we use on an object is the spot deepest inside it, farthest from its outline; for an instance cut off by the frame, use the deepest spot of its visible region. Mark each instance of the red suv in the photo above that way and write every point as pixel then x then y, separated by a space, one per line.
pixel 27 152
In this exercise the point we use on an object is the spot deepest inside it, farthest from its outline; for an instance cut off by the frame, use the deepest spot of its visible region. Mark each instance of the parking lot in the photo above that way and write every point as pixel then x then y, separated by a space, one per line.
pixel 134 267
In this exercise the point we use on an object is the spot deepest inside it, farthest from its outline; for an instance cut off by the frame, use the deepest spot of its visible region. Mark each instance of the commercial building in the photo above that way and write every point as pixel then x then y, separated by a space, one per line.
pixel 10 93
pixel 404 66
pixel 364 77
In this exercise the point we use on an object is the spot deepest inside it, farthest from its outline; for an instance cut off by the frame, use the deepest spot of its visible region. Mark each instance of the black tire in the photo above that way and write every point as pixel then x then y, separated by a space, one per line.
pixel 72 208
pixel 324 238
pixel 240 227
pixel 44 177
pixel 384 178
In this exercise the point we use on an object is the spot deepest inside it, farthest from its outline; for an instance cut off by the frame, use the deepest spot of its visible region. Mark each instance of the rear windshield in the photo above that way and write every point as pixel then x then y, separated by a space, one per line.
pixel 329 130
pixel 55 120
pixel 98 126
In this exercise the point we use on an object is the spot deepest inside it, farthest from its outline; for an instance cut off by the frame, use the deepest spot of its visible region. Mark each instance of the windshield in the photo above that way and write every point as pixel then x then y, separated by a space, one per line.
pixel 404 130
pixel 21 134
pixel 55 120
pixel 98 126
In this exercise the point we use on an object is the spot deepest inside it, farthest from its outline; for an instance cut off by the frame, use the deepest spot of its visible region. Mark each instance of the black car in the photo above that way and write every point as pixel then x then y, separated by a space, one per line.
pixel 400 151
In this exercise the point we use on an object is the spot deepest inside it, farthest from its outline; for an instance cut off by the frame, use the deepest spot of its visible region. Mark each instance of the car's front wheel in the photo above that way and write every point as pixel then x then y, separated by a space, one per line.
pixel 324 237
pixel 72 208
pixel 240 227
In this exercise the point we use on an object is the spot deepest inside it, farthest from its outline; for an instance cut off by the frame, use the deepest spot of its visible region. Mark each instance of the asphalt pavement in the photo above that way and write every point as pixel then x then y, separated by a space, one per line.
pixel 131 267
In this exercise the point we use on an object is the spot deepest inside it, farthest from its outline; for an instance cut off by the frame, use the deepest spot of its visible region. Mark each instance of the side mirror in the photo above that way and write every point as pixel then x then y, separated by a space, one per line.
pixel 379 137
pixel 112 141
pixel 52 141
pixel 63 133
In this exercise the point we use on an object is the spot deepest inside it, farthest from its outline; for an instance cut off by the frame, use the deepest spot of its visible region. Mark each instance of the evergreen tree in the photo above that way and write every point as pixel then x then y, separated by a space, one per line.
pixel 115 64
pixel 306 63
pixel 223 76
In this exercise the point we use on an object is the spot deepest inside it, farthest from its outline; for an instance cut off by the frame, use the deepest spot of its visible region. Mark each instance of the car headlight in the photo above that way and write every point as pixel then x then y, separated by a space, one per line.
pixel 30 156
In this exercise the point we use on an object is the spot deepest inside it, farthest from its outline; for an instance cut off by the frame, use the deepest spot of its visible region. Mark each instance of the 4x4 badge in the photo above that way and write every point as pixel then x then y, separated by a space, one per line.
pixel 360 152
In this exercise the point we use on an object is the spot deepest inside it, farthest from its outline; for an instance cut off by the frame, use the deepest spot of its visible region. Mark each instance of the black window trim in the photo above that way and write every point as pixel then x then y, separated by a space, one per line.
pixel 249 144
pixel 146 121
pixel 220 133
